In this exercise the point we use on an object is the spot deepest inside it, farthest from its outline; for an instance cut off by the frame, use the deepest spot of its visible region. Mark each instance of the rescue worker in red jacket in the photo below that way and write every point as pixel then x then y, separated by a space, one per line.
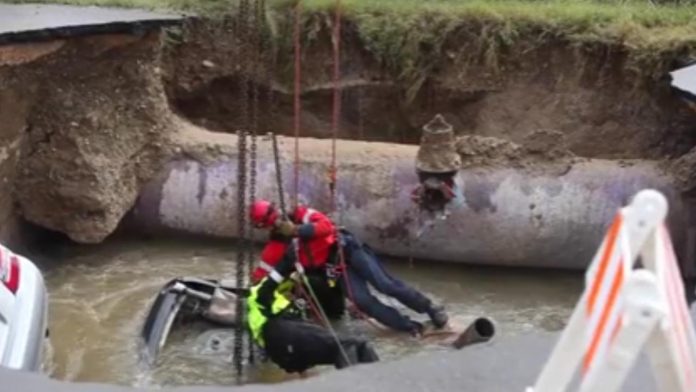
pixel 315 243
pixel 314 256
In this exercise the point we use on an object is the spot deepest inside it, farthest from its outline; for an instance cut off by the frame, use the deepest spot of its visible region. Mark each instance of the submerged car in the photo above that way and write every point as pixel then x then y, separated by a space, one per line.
pixel 23 312
pixel 183 300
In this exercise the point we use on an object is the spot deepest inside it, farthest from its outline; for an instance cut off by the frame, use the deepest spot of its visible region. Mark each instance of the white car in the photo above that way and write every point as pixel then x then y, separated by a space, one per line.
pixel 23 312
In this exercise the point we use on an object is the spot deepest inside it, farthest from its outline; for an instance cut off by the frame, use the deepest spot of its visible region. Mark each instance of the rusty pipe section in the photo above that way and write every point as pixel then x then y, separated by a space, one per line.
pixel 480 330
pixel 502 216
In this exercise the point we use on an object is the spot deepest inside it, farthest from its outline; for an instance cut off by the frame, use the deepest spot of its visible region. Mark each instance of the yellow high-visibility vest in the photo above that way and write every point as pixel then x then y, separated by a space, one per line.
pixel 255 317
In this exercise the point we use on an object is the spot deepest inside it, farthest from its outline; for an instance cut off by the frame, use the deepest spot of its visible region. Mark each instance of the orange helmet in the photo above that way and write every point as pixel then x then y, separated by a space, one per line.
pixel 263 214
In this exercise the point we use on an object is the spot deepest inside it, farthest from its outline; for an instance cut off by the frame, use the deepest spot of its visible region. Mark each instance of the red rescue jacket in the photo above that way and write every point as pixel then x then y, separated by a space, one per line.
pixel 271 255
pixel 317 236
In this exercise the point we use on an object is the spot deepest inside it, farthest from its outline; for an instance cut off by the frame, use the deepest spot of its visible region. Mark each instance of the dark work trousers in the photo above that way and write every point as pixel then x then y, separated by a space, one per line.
pixel 297 345
pixel 330 298
pixel 363 267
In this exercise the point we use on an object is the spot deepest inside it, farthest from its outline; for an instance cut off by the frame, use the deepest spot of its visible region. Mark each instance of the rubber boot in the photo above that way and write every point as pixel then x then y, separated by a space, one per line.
pixel 367 353
pixel 438 316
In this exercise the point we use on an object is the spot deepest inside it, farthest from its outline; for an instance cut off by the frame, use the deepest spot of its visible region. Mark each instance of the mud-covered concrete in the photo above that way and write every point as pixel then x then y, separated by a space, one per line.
pixel 505 365
pixel 503 215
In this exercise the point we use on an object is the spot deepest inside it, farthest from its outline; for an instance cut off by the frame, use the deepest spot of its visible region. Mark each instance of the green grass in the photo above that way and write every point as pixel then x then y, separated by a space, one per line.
pixel 637 23
pixel 397 31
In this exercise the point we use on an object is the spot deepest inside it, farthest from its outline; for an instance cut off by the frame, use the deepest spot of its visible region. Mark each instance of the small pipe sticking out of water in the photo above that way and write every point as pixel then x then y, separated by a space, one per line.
pixel 481 330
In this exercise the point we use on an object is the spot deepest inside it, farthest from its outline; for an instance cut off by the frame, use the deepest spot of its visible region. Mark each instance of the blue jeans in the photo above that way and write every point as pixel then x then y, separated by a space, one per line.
pixel 364 267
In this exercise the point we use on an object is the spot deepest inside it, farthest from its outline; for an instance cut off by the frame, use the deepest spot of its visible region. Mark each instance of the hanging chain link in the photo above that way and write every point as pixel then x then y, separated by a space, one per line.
pixel 250 243
pixel 256 37
pixel 244 52
pixel 240 267
pixel 243 251
pixel 256 59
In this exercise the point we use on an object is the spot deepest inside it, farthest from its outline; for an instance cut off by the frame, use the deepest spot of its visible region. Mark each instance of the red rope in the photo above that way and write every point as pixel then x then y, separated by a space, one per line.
pixel 335 128
pixel 297 107
pixel 335 123
pixel 336 101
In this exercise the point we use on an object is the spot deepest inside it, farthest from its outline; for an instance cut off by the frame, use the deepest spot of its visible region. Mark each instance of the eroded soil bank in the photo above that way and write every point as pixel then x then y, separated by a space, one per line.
pixel 89 120
pixel 605 102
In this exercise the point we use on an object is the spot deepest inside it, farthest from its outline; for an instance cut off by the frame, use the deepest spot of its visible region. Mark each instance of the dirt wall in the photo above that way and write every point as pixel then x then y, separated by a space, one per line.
pixel 15 104
pixel 595 94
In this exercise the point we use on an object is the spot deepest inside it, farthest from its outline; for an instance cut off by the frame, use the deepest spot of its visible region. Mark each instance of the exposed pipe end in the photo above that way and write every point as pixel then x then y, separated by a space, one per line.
pixel 481 330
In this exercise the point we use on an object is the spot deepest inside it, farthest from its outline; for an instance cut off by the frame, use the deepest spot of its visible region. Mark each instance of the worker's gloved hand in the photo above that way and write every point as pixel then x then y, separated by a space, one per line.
pixel 286 228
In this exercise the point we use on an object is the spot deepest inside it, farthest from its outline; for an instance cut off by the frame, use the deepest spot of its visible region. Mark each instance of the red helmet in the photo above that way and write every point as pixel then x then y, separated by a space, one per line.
pixel 263 214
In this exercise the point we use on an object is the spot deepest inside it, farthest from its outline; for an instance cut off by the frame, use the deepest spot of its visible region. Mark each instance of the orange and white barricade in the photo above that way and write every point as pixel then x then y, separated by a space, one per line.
pixel 624 310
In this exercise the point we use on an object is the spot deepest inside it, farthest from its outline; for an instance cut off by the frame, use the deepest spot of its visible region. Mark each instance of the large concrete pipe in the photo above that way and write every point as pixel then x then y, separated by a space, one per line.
pixel 504 216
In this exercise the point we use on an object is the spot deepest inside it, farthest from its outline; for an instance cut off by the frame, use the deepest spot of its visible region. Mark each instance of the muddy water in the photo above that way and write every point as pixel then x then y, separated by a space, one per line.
pixel 99 296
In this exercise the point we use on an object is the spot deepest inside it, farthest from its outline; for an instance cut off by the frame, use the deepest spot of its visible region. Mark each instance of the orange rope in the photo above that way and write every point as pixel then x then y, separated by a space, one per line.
pixel 297 112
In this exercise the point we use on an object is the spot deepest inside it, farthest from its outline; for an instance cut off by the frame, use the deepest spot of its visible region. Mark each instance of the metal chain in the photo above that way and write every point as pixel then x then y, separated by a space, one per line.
pixel 240 267
pixel 243 41
pixel 243 251
pixel 250 243
pixel 256 31
pixel 256 56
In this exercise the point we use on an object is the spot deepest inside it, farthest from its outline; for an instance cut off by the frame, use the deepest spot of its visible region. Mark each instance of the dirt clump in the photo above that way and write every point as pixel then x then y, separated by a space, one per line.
pixel 542 150
pixel 547 144
pixel 96 130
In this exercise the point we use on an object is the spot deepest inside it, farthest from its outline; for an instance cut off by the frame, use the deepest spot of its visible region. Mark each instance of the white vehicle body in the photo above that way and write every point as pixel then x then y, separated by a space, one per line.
pixel 23 312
